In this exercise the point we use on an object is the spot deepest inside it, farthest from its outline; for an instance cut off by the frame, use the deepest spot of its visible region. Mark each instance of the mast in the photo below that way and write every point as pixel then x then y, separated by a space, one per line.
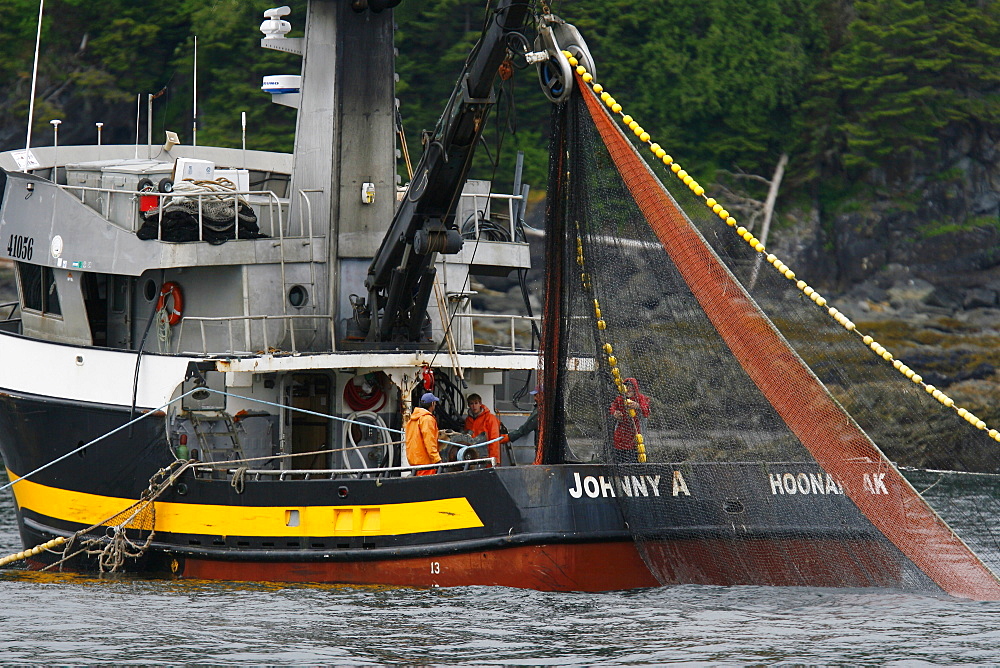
pixel 345 143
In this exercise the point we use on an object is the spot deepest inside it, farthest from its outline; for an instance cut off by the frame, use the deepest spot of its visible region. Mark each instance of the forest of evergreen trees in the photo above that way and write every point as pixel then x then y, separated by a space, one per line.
pixel 853 91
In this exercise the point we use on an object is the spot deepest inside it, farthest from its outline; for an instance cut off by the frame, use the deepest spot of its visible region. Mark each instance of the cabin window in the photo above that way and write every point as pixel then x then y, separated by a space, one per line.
pixel 297 296
pixel 149 290
pixel 38 289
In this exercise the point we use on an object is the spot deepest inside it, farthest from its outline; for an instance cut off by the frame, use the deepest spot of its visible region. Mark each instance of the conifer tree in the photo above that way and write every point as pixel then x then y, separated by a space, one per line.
pixel 909 69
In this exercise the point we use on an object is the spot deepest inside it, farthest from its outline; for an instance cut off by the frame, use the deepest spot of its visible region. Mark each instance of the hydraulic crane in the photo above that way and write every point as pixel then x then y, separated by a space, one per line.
pixel 401 275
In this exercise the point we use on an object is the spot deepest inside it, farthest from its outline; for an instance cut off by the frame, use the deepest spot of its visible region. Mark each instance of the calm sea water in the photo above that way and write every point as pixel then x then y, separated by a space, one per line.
pixel 71 619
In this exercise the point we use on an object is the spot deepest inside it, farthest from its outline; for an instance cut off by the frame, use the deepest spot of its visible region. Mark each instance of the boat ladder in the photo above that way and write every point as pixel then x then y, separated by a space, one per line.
pixel 217 436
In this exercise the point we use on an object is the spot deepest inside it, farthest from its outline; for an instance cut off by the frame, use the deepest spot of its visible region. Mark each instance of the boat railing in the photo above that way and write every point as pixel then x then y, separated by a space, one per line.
pixel 514 324
pixel 239 342
pixel 8 323
pixel 476 224
pixel 307 207
pixel 122 207
pixel 208 471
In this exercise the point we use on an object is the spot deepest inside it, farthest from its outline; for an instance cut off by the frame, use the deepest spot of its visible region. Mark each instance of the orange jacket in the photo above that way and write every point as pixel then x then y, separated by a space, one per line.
pixel 489 424
pixel 422 438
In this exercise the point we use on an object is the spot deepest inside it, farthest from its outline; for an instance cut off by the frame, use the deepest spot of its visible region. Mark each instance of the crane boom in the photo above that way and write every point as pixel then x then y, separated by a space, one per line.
pixel 401 275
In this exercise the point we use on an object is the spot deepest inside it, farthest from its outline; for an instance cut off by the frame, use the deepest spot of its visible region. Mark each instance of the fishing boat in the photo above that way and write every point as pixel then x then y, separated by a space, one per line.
pixel 213 353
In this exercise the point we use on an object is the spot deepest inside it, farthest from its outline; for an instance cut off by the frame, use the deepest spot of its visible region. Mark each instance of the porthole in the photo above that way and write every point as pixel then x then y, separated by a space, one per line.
pixel 297 296
pixel 149 290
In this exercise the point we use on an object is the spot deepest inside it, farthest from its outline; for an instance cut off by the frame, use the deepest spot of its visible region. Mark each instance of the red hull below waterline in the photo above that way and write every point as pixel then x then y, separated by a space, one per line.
pixel 586 566
pixel 564 567
pixel 789 562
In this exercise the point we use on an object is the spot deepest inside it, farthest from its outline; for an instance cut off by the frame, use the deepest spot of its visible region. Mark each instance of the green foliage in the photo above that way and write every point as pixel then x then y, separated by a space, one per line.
pixel 936 230
pixel 100 61
pixel 909 69
pixel 847 89
pixel 717 81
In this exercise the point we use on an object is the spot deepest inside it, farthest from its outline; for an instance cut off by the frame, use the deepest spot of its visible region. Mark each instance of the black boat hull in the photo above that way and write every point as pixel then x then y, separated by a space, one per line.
pixel 560 527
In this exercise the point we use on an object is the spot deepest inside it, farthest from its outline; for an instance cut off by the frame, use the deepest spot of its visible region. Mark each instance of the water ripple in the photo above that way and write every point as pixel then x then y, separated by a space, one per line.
pixel 57 618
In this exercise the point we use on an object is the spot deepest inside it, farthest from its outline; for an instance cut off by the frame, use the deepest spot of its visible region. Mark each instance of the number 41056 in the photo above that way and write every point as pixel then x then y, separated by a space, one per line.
pixel 19 247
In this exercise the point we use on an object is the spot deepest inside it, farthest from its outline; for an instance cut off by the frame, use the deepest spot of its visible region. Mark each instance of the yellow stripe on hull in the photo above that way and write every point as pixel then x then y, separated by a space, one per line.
pixel 391 519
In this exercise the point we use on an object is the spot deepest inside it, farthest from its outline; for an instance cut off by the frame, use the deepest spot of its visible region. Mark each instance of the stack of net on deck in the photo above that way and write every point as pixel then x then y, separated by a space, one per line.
pixel 763 411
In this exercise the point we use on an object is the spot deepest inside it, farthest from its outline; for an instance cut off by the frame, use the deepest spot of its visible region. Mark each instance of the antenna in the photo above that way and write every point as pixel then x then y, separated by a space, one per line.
pixel 243 123
pixel 55 149
pixel 149 120
pixel 194 97
pixel 99 126
pixel 149 126
pixel 34 80
pixel 138 107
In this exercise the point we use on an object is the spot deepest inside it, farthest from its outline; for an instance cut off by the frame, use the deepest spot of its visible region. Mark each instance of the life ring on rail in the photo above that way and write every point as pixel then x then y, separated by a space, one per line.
pixel 171 289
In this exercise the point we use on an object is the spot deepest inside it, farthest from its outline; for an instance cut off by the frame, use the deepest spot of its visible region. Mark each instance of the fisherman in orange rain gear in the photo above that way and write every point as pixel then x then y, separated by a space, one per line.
pixel 422 435
pixel 628 409
pixel 480 421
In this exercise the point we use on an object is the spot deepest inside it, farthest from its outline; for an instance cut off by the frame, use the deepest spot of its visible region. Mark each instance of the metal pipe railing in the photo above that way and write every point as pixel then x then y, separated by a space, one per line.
pixel 504 316
pixel 314 474
pixel 273 204
pixel 228 321
pixel 511 201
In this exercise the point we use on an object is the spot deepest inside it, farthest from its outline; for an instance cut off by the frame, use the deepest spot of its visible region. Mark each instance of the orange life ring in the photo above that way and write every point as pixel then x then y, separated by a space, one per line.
pixel 171 289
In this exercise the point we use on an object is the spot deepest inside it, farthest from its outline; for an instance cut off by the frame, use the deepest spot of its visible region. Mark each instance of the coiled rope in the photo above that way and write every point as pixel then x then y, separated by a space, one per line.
pixel 112 549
